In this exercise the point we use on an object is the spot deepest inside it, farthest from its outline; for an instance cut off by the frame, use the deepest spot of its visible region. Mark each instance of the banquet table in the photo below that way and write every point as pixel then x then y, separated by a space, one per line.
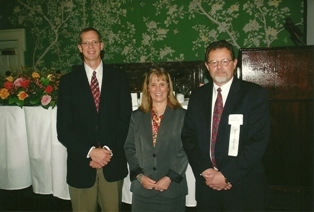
pixel 30 154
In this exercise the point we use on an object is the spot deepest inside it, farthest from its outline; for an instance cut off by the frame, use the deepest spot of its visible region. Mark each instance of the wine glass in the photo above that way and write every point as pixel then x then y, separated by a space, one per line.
pixel 184 89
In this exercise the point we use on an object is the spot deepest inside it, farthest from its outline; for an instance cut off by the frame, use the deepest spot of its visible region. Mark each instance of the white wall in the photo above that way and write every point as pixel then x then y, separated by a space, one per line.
pixel 310 23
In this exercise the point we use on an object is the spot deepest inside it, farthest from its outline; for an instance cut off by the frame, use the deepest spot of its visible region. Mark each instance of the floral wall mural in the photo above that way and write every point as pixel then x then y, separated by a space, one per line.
pixel 146 31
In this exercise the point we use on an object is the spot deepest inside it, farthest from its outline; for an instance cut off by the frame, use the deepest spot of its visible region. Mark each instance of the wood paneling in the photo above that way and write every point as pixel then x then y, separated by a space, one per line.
pixel 287 74
pixel 189 73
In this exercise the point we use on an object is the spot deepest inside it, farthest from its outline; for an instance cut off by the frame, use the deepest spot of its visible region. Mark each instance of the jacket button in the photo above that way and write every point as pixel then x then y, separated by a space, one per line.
pixel 154 169
pixel 154 155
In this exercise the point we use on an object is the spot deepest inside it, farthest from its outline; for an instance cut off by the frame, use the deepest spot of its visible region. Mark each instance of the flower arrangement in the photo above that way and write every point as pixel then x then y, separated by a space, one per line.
pixel 30 87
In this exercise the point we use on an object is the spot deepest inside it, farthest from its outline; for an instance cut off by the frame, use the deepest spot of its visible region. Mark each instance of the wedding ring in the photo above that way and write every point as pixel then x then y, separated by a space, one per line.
pixel 161 190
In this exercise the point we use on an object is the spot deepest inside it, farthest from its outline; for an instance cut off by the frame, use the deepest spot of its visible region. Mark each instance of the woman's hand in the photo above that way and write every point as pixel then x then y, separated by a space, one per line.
pixel 163 184
pixel 148 183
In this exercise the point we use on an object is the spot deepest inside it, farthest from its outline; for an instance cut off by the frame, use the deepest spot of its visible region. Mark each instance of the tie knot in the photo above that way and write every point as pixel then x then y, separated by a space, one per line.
pixel 94 73
pixel 219 90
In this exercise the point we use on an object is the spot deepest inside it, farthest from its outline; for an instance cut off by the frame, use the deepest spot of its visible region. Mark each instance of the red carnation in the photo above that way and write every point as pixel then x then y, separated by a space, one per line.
pixel 8 85
pixel 49 89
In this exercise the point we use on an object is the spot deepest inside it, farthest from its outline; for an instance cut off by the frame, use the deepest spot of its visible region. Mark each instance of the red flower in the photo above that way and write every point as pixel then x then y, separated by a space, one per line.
pixel 25 83
pixel 8 85
pixel 49 89
pixel 21 82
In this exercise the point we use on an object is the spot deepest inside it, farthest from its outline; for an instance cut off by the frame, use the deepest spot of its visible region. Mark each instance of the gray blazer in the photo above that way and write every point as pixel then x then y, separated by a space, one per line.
pixel 166 159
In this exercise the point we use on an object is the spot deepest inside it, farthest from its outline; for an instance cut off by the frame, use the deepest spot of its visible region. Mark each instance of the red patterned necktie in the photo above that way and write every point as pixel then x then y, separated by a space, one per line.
pixel 95 90
pixel 216 119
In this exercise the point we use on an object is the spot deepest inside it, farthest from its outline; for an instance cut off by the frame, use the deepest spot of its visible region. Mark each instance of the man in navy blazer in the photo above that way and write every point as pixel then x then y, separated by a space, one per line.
pixel 235 181
pixel 94 138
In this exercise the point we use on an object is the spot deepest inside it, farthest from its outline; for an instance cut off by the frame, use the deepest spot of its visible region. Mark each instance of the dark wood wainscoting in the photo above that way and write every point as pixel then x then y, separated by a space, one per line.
pixel 287 73
pixel 188 73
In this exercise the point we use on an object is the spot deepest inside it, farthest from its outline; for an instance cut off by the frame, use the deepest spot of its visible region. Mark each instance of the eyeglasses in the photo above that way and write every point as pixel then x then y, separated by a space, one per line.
pixel 93 43
pixel 214 63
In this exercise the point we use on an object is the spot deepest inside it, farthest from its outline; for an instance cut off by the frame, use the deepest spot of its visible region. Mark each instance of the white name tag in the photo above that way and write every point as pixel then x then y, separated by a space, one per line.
pixel 235 120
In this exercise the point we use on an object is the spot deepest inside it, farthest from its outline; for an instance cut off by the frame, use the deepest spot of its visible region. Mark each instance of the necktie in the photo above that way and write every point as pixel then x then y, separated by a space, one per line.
pixel 95 90
pixel 216 119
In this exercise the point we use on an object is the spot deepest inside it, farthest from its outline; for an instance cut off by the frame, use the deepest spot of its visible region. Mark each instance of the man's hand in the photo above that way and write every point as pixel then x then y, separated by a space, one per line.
pixel 215 180
pixel 95 165
pixel 100 157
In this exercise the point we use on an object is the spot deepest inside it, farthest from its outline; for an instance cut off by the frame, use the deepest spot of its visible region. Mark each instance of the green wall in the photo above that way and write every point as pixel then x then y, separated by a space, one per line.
pixel 146 30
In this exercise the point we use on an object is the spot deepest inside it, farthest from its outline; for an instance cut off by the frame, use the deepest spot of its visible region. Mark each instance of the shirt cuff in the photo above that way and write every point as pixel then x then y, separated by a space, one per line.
pixel 88 156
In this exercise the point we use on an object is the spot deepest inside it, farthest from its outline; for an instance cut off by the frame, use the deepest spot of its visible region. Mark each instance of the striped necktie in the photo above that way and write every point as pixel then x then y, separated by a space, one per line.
pixel 95 90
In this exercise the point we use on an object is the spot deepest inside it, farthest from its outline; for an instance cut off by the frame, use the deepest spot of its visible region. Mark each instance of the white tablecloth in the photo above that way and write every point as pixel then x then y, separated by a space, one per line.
pixel 30 154
pixel 15 172
pixel 47 155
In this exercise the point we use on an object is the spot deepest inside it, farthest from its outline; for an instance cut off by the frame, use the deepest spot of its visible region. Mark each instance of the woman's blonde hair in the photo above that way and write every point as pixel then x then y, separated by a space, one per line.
pixel 163 75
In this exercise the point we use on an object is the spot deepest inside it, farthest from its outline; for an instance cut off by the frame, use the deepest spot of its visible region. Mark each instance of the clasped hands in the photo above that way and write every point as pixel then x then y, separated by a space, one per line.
pixel 100 157
pixel 215 180
pixel 160 185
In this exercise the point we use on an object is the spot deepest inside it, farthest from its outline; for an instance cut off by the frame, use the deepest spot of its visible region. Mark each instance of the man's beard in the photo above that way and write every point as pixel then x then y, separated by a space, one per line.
pixel 221 79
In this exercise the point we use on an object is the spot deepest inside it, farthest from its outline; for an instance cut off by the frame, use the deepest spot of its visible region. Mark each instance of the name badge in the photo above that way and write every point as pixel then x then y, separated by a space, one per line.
pixel 235 120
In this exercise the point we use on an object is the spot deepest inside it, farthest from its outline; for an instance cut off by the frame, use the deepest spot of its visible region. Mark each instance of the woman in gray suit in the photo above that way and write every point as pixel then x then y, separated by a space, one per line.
pixel 154 149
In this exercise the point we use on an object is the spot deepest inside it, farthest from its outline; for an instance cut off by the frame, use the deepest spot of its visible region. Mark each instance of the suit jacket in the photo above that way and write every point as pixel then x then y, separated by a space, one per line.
pixel 80 126
pixel 166 159
pixel 245 171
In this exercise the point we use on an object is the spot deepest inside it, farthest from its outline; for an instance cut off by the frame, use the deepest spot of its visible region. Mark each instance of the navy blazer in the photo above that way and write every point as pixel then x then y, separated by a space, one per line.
pixel 80 126
pixel 246 169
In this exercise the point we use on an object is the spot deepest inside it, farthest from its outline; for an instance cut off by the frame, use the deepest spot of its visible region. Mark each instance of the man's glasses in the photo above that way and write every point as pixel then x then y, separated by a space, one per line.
pixel 93 43
pixel 214 63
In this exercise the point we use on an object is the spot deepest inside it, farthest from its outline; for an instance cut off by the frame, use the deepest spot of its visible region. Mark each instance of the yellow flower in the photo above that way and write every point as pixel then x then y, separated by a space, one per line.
pixel 22 95
pixel 49 77
pixel 9 78
pixel 4 93
pixel 35 75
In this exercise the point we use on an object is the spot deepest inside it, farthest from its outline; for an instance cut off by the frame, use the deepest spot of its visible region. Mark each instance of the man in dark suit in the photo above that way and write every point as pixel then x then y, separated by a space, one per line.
pixel 227 165
pixel 94 109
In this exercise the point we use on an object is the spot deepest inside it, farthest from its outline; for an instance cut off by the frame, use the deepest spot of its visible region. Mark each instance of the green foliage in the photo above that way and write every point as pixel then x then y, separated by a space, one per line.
pixel 149 31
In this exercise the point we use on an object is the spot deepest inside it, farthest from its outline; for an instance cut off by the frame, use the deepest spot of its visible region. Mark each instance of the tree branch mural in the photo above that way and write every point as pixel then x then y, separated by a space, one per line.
pixel 270 19
pixel 54 19
pixel 145 31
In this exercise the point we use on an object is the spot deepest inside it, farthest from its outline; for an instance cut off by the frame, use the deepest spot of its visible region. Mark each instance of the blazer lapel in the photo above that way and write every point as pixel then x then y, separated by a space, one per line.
pixel 146 126
pixel 231 101
pixel 84 91
pixel 164 125
pixel 207 104
pixel 107 87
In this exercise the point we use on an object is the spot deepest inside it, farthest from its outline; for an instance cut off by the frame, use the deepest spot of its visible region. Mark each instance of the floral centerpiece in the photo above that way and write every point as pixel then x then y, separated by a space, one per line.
pixel 30 87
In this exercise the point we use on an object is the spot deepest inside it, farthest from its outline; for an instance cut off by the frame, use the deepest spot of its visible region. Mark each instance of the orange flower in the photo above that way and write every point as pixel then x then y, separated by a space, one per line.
pixel 22 95
pixel 35 75
pixel 4 93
